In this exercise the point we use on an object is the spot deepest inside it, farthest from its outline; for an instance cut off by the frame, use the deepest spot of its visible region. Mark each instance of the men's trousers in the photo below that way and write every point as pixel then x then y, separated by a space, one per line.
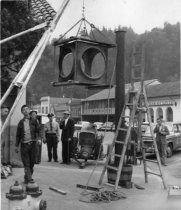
pixel 66 151
pixel 162 149
pixel 38 152
pixel 52 144
pixel 28 153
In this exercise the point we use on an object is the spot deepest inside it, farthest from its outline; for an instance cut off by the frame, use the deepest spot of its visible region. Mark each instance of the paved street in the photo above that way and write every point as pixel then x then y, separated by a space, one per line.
pixel 64 177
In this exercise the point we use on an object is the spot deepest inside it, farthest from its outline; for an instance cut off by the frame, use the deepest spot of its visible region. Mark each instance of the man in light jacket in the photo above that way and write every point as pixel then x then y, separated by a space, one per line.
pixel 161 131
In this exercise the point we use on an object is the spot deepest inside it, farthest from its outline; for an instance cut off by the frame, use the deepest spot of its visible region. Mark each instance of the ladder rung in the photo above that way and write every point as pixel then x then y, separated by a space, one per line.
pixel 137 78
pixel 126 116
pixel 129 104
pixel 133 91
pixel 122 129
pixel 112 167
pixel 117 155
pixel 119 142
pixel 153 161
pixel 147 137
pixel 149 154
pixel 148 147
pixel 149 172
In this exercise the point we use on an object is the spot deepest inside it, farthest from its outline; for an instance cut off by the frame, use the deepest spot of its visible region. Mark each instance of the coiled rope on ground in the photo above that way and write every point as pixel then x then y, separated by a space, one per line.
pixel 104 196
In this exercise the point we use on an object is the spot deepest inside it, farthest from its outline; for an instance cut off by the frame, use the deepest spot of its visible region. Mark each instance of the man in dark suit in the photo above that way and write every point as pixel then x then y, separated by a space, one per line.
pixel 161 131
pixel 67 126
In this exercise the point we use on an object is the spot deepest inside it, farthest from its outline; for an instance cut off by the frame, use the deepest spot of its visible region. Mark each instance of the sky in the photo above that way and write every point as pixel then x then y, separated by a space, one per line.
pixel 140 15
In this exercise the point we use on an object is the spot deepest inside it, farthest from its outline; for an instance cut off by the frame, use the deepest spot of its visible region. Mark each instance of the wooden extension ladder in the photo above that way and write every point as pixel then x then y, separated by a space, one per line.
pixel 145 108
pixel 137 103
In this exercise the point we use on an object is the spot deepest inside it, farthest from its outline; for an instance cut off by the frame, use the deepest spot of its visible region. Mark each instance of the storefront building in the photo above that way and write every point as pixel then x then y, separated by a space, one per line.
pixel 49 104
pixel 58 106
pixel 163 98
pixel 75 108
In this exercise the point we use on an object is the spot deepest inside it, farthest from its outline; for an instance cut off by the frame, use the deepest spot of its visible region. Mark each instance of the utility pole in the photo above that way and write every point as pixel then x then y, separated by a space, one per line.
pixel 120 85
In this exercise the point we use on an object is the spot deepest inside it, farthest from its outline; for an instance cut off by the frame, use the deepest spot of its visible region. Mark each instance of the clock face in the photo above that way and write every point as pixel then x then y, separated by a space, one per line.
pixel 67 64
pixel 83 62
pixel 93 63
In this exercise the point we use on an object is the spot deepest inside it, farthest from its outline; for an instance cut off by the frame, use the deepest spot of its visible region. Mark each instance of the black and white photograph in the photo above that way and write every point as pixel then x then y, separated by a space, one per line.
pixel 90 104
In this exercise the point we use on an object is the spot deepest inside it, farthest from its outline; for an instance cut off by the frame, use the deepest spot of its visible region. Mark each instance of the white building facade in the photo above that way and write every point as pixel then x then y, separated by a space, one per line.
pixel 163 98
pixel 45 104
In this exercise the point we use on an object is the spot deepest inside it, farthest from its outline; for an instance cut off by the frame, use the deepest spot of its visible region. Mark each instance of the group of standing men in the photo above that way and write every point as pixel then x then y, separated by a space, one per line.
pixel 53 137
pixel 29 135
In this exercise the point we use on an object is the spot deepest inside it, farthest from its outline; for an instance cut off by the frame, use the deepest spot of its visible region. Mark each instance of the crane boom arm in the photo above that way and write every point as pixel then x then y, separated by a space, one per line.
pixel 27 70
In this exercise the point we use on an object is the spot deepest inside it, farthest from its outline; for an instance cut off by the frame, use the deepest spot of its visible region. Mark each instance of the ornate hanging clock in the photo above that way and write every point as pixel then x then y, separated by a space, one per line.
pixel 83 61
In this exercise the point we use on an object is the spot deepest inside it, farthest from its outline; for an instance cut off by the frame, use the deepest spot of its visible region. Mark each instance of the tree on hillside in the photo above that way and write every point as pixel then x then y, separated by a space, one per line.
pixel 16 17
pixel 162 52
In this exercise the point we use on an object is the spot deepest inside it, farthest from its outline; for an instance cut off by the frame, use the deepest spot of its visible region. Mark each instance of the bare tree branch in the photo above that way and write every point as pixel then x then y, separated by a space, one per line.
pixel 11 69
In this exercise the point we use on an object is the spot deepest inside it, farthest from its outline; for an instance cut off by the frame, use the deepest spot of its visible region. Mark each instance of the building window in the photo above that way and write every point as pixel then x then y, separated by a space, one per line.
pixel 169 114
pixel 152 115
pixel 159 113
pixel 46 110
pixel 42 109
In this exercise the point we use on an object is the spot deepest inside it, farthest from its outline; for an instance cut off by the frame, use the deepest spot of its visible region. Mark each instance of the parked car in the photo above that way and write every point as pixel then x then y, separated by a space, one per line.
pixel 81 124
pixel 173 139
pixel 98 125
pixel 108 126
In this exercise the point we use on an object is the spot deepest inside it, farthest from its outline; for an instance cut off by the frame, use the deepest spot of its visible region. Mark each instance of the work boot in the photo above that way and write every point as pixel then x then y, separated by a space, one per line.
pixel 164 164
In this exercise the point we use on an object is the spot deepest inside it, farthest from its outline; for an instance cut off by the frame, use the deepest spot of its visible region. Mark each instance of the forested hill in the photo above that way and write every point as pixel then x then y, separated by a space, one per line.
pixel 162 61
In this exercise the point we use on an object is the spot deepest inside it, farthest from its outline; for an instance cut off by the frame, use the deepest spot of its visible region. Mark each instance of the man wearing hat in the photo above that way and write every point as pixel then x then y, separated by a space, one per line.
pixel 67 126
pixel 52 132
pixel 33 114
